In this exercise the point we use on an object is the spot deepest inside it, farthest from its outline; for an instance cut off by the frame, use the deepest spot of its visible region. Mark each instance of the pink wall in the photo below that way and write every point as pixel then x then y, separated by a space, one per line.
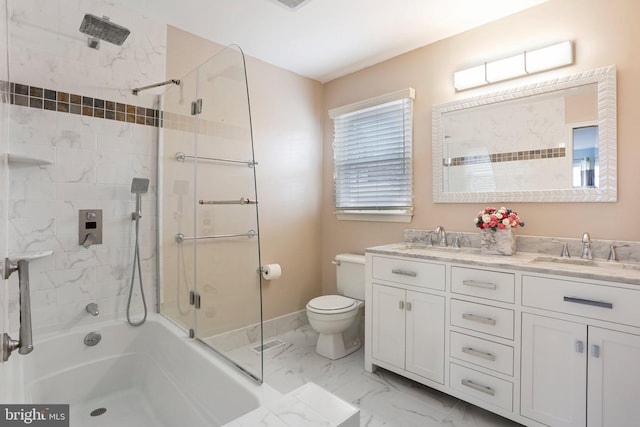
pixel 604 33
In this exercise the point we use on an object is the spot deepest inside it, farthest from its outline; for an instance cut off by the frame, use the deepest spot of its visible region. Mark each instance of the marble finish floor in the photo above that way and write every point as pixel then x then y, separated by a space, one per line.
pixel 384 398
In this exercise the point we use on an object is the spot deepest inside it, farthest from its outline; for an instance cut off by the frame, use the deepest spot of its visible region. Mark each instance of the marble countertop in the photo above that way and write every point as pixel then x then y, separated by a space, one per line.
pixel 596 269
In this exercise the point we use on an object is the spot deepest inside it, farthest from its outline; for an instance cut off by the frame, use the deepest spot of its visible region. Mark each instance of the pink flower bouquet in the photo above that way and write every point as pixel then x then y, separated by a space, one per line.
pixel 497 219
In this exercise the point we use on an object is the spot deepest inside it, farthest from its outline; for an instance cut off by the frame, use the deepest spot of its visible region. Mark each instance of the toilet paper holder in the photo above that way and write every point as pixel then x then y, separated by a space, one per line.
pixel 270 271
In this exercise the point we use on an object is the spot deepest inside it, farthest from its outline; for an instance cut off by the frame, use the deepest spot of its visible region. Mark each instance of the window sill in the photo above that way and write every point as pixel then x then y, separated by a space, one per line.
pixel 374 217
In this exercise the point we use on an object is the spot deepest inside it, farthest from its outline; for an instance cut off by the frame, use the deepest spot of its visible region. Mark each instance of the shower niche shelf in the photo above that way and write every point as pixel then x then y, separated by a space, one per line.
pixel 27 160
pixel 30 256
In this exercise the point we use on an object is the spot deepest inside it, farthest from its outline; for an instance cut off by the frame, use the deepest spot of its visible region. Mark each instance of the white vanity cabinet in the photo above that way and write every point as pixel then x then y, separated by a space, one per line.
pixel 543 346
pixel 481 333
pixel 576 374
pixel 408 322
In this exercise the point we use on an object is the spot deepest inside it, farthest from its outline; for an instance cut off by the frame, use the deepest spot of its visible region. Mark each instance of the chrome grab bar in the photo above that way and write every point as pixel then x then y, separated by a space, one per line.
pixel 242 201
pixel 24 344
pixel 181 237
pixel 180 156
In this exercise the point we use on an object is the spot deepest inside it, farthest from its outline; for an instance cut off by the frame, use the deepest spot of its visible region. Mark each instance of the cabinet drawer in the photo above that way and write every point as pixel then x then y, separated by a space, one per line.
pixel 483 283
pixel 488 354
pixel 481 386
pixel 482 318
pixel 408 272
pixel 582 299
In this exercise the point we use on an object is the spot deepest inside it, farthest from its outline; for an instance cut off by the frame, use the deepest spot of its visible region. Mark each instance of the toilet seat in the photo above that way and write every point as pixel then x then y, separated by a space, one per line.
pixel 331 304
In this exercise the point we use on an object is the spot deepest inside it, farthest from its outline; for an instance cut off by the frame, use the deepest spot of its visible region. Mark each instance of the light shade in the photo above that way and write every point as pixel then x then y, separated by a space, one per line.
pixel 549 57
pixel 528 62
pixel 471 77
pixel 507 68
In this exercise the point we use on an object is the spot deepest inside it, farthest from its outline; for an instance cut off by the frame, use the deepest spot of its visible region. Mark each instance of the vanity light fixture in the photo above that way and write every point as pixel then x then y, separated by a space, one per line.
pixel 527 62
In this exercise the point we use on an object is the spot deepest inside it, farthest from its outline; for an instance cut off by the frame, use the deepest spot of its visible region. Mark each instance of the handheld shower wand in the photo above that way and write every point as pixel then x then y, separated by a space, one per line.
pixel 139 186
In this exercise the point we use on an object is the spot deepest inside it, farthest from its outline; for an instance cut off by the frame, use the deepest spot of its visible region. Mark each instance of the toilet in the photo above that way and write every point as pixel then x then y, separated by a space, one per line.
pixel 336 318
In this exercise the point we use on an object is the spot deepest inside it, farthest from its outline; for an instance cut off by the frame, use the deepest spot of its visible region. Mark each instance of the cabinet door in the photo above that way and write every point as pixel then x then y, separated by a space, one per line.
pixel 425 335
pixel 614 378
pixel 554 371
pixel 388 324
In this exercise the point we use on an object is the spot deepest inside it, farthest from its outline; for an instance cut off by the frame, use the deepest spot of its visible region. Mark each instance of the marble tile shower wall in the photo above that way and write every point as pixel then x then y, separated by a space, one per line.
pixel 94 159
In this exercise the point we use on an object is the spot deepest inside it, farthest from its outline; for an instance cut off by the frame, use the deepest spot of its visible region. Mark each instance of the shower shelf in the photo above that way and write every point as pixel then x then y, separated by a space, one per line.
pixel 30 256
pixel 20 159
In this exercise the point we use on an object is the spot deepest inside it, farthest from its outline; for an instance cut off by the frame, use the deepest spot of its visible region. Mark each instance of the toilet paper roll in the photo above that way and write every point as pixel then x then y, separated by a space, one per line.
pixel 271 271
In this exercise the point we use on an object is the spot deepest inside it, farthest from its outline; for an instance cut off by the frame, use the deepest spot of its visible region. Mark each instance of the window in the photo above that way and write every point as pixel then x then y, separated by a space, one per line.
pixel 372 152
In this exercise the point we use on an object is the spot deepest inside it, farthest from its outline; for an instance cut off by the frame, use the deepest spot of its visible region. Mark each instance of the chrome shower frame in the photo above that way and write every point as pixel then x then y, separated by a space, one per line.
pixel 136 90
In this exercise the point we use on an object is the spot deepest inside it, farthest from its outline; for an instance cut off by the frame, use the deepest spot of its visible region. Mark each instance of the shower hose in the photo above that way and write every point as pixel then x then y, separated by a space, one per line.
pixel 136 264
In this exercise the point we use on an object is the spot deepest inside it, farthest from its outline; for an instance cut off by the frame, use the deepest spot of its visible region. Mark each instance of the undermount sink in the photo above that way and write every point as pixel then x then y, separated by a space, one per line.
pixel 586 262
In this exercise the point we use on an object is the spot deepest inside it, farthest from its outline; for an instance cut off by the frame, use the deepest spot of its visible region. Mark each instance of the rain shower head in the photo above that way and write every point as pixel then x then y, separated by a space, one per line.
pixel 103 29
pixel 139 185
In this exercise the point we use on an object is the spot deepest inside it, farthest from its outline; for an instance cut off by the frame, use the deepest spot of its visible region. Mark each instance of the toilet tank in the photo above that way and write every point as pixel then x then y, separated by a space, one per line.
pixel 350 275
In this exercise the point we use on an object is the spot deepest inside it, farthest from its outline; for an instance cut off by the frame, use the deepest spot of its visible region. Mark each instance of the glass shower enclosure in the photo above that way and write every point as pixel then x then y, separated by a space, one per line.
pixel 209 240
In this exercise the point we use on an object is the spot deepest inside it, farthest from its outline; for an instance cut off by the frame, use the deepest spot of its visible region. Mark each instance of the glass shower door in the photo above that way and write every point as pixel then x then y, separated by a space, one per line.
pixel 210 250
pixel 228 256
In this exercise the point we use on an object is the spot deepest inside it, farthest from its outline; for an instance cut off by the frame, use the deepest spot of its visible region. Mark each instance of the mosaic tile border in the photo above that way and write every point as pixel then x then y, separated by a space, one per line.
pixel 547 153
pixel 64 102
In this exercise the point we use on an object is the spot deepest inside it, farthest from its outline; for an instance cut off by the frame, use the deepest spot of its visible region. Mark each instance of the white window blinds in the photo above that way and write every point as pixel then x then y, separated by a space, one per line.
pixel 372 152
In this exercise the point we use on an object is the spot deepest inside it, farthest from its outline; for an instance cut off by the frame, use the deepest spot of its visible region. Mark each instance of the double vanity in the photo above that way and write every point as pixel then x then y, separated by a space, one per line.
pixel 536 338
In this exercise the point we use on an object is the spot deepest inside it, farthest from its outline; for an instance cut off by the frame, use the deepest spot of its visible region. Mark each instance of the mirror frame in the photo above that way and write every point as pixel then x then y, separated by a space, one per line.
pixel 607 115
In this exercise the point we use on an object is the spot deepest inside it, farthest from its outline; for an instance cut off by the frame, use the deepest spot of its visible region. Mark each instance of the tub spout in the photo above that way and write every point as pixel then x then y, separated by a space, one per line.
pixel 92 309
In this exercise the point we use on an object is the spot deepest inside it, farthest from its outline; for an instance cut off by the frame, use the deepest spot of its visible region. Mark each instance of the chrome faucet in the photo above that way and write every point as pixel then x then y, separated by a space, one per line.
pixel 613 254
pixel 441 236
pixel 586 247
pixel 92 309
pixel 565 248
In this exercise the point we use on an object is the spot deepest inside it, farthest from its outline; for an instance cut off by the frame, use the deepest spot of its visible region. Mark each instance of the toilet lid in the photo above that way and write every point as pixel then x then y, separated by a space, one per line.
pixel 331 302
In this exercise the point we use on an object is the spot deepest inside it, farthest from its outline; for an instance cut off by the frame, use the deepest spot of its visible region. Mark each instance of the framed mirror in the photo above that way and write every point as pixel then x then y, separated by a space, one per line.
pixel 553 141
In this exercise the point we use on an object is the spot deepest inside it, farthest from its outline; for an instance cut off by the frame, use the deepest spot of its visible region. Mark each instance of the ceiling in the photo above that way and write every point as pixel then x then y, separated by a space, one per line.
pixel 326 39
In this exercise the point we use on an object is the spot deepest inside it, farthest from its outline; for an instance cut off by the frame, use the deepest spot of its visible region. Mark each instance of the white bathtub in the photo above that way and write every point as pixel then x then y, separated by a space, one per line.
pixel 152 375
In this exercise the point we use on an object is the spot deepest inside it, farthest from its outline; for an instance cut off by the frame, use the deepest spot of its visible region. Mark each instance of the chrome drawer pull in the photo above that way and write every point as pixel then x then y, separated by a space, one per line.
pixel 404 272
pixel 483 285
pixel 478 387
pixel 479 319
pixel 589 302
pixel 487 356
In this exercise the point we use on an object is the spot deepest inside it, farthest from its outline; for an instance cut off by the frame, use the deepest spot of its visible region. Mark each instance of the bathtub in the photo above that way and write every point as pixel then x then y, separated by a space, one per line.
pixel 152 375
